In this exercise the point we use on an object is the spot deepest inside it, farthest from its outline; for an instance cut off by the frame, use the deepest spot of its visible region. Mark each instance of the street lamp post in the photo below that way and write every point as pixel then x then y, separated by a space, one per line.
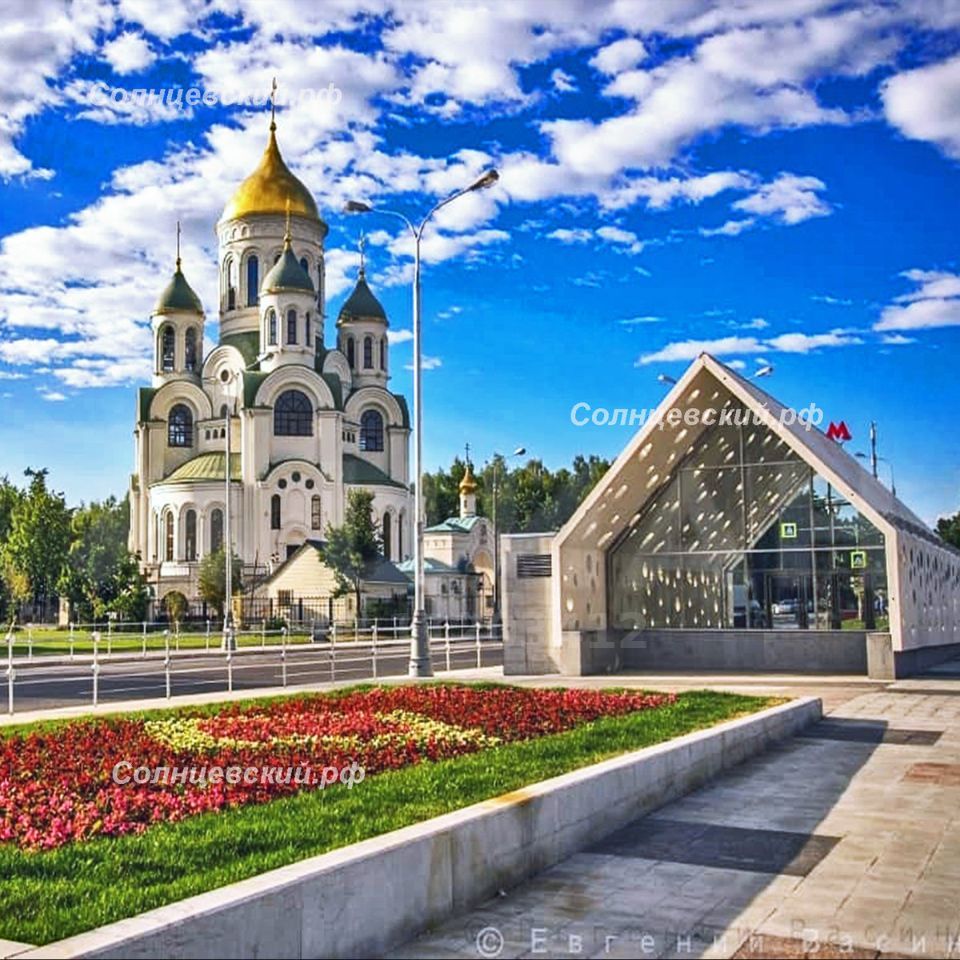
pixel 519 452
pixel 419 642
pixel 875 459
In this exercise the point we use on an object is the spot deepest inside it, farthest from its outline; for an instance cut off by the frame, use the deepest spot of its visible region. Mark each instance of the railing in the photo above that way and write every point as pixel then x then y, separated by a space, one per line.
pixel 346 651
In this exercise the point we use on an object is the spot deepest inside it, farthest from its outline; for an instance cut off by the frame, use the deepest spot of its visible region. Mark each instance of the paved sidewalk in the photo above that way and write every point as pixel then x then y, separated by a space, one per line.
pixel 843 842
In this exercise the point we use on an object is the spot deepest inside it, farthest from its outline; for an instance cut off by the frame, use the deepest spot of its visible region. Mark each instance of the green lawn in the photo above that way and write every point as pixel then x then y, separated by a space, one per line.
pixel 49 642
pixel 49 895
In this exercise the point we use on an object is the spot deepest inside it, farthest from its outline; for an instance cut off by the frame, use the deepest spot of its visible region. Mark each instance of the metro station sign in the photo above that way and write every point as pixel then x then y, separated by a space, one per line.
pixel 839 431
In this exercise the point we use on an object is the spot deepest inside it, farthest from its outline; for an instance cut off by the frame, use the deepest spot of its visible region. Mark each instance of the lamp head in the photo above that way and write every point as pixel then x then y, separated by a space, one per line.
pixel 520 451
pixel 488 179
pixel 356 206
pixel 663 378
pixel 764 371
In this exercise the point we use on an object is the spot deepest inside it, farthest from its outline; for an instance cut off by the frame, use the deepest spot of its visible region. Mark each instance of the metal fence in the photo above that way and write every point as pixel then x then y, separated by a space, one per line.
pixel 357 650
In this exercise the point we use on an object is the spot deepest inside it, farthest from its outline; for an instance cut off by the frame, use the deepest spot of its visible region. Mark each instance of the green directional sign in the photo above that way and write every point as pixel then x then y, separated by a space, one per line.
pixel 788 531
pixel 858 559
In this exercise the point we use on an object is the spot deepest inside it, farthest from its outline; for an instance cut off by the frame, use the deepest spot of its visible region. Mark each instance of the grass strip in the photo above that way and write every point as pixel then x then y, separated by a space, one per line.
pixel 50 895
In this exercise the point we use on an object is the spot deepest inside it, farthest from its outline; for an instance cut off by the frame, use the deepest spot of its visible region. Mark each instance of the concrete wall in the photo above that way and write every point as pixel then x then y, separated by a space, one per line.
pixel 767 651
pixel 366 898
pixel 886 663
pixel 525 607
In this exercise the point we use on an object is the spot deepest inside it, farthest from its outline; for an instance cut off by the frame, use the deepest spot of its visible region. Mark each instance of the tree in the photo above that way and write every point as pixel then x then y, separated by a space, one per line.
pixel 10 496
pixel 530 498
pixel 949 529
pixel 100 574
pixel 176 606
pixel 39 537
pixel 351 549
pixel 212 579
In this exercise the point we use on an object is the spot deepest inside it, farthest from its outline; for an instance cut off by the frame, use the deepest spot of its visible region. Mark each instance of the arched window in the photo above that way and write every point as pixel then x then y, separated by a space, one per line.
pixel 316 518
pixel 293 415
pixel 386 536
pixel 180 427
pixel 351 356
pixel 400 522
pixel 229 283
pixel 168 349
pixel 368 353
pixel 275 512
pixel 190 535
pixel 306 330
pixel 371 432
pixel 272 327
pixel 291 326
pixel 383 354
pixel 168 536
pixel 305 266
pixel 253 281
pixel 216 530
pixel 190 350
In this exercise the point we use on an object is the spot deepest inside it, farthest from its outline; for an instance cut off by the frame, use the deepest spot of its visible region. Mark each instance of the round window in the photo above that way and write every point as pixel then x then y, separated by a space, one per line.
pixel 309 484
pixel 295 476
pixel 224 375
pixel 282 484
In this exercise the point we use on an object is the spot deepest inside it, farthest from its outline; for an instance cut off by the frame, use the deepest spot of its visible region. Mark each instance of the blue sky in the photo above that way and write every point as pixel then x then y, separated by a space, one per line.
pixel 772 182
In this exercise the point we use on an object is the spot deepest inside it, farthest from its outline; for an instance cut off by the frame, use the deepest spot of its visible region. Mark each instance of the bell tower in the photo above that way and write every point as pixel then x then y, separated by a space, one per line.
pixel 177 323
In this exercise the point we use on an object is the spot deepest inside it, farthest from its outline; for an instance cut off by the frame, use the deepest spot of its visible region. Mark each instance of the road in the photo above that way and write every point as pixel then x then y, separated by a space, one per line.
pixel 39 686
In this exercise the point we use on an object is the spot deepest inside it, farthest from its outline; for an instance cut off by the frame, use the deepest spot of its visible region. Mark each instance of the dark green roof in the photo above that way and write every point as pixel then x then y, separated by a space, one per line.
pixel 145 398
pixel 361 304
pixel 208 466
pixel 178 295
pixel 251 384
pixel 287 274
pixel 404 409
pixel 362 472
pixel 336 388
pixel 248 343
pixel 454 525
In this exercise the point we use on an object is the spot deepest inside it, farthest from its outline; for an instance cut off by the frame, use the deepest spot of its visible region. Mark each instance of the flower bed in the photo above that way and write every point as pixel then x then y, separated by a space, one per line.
pixel 57 788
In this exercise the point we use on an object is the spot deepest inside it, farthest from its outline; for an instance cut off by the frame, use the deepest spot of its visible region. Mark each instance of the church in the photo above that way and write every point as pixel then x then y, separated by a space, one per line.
pixel 301 423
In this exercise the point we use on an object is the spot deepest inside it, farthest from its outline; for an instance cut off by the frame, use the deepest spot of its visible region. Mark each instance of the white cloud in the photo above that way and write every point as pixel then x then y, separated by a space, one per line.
pixel 562 81
pixel 54 396
pixel 570 235
pixel 789 198
pixel 731 228
pixel 757 323
pixel 805 342
pixel 736 364
pixel 128 53
pixel 619 56
pixel 37 42
pixel 924 104
pixel 620 237
pixel 934 303
pixel 897 339
pixel 691 349
pixel 636 321
pixel 783 343
pixel 399 336
pixel 428 363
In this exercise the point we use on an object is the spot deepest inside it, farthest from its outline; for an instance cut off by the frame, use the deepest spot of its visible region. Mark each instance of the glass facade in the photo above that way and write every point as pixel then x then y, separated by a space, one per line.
pixel 744 534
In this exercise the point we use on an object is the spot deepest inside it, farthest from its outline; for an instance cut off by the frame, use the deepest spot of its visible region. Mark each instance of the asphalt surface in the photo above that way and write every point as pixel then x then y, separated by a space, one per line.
pixel 39 686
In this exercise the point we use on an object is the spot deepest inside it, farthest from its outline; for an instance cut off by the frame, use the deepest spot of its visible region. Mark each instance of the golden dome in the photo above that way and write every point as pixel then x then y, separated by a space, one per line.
pixel 270 188
pixel 468 484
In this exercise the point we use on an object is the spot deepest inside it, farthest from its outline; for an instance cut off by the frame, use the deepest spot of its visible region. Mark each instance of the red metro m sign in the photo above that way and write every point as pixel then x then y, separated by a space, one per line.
pixel 839 431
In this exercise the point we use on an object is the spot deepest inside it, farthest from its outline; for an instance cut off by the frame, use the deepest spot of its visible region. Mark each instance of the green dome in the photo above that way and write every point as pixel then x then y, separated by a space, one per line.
pixel 287 274
pixel 178 295
pixel 362 304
